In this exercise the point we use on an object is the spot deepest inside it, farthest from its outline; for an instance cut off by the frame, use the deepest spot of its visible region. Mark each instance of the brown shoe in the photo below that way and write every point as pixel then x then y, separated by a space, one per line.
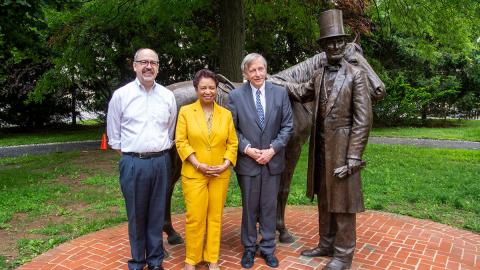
pixel 318 252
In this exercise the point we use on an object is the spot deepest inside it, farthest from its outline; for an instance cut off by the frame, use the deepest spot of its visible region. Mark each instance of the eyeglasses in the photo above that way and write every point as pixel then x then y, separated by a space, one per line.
pixel 146 62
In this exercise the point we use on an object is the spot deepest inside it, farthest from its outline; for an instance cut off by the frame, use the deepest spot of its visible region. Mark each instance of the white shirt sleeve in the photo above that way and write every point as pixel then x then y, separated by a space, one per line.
pixel 113 121
pixel 173 119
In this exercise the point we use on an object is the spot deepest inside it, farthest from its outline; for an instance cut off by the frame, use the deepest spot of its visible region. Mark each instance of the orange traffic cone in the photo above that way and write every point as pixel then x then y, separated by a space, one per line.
pixel 103 146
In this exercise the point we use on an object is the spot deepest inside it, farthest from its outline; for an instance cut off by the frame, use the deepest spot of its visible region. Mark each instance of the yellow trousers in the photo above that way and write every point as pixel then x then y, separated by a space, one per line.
pixel 204 202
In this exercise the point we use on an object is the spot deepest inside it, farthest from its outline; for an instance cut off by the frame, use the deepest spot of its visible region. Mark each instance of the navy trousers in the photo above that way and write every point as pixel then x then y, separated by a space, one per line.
pixel 259 203
pixel 144 185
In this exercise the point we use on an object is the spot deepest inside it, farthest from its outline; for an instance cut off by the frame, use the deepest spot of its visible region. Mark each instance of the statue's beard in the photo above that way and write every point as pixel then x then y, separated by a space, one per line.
pixel 335 58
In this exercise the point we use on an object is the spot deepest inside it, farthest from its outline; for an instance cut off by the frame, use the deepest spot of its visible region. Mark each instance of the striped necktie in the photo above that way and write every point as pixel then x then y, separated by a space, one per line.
pixel 261 115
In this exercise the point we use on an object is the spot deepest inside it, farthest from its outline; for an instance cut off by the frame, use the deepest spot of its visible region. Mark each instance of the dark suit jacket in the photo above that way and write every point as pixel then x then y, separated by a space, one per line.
pixel 278 126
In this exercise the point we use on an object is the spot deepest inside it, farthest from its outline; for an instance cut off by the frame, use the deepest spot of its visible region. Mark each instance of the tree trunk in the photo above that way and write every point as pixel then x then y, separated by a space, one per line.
pixel 73 105
pixel 232 38
pixel 424 114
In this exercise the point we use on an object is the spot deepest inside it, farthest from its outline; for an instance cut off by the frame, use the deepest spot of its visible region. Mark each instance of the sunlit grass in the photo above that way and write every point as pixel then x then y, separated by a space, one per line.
pixel 463 130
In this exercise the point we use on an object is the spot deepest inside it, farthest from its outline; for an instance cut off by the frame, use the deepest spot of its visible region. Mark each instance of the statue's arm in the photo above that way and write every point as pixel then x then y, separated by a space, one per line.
pixel 362 116
pixel 300 92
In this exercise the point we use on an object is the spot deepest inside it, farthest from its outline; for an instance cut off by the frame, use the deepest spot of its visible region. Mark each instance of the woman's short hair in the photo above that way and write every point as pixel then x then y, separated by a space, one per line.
pixel 204 73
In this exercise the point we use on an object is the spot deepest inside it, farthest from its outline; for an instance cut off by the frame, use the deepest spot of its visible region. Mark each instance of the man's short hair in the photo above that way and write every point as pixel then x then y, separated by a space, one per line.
pixel 249 59
pixel 135 57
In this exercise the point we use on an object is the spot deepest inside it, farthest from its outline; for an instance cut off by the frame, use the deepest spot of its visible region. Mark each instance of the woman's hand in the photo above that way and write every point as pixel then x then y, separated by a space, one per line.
pixel 203 168
pixel 214 171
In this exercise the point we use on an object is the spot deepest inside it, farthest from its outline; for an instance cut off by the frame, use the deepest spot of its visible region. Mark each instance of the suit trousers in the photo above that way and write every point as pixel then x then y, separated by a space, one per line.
pixel 204 202
pixel 337 231
pixel 144 185
pixel 259 203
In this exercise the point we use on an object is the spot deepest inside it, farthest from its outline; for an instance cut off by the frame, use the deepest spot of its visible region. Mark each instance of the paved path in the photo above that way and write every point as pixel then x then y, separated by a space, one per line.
pixel 384 241
pixel 427 143
pixel 35 149
pixel 13 151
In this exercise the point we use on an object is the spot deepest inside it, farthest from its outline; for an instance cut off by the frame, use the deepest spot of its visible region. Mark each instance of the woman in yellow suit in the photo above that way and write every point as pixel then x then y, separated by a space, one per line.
pixel 207 144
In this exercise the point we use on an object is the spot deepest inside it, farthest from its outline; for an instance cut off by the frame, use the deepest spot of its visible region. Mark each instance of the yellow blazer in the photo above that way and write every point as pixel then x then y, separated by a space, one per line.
pixel 191 136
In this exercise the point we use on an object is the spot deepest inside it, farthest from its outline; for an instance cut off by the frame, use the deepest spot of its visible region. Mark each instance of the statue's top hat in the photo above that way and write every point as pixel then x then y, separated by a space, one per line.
pixel 331 24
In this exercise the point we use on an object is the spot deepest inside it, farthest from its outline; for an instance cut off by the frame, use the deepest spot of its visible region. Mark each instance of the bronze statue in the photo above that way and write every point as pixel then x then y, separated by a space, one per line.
pixel 341 118
pixel 302 113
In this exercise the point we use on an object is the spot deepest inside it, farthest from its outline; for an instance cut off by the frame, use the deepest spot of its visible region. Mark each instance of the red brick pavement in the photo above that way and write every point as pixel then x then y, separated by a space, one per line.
pixel 385 241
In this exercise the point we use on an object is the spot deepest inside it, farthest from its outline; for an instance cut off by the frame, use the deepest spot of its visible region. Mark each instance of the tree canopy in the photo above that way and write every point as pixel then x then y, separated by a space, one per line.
pixel 65 56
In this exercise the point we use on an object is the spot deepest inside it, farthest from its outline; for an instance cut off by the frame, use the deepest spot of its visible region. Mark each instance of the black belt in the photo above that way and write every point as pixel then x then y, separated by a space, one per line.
pixel 146 155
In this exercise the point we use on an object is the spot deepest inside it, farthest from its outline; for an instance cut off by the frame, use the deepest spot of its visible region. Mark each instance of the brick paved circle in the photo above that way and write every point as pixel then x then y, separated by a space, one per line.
pixel 385 241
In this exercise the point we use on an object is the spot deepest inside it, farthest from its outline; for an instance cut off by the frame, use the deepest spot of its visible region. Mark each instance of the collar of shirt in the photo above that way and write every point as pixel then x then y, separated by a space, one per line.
pixel 142 88
pixel 262 89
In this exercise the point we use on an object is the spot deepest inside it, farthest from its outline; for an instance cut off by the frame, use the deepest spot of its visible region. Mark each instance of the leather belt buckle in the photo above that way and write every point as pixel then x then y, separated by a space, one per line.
pixel 146 155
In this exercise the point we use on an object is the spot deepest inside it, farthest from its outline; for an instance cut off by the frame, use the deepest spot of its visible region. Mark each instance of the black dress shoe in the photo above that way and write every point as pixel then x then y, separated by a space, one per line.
pixel 317 252
pixel 158 267
pixel 247 259
pixel 270 260
pixel 336 264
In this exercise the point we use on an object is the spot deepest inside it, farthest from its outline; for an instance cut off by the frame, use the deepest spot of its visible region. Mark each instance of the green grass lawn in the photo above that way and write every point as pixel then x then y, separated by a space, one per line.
pixel 49 199
pixel 464 130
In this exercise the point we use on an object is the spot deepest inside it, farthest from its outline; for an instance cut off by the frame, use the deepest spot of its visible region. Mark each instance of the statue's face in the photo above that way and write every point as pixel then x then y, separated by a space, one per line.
pixel 335 49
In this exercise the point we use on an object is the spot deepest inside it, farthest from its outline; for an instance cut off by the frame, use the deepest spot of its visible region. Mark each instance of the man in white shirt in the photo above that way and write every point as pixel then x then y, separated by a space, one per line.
pixel 140 126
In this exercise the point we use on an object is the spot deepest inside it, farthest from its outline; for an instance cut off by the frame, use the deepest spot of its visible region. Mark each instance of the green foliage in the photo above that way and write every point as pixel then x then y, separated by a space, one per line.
pixel 3 262
pixel 425 23
pixel 64 55
pixel 429 66
pixel 25 58
pixel 97 42
pixel 407 101
pixel 285 32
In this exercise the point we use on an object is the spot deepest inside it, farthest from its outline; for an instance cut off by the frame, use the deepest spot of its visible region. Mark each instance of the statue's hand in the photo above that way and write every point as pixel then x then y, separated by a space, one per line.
pixel 341 172
pixel 353 166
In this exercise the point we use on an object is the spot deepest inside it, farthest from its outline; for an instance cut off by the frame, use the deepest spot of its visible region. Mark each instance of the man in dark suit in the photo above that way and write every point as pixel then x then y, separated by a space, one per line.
pixel 262 116
pixel 342 118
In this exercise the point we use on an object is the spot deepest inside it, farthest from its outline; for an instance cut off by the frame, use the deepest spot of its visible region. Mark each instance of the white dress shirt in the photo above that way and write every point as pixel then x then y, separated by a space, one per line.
pixel 262 96
pixel 141 121
pixel 262 101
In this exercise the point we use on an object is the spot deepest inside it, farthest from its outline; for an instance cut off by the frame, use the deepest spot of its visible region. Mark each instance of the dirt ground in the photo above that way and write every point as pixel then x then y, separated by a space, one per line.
pixel 21 224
